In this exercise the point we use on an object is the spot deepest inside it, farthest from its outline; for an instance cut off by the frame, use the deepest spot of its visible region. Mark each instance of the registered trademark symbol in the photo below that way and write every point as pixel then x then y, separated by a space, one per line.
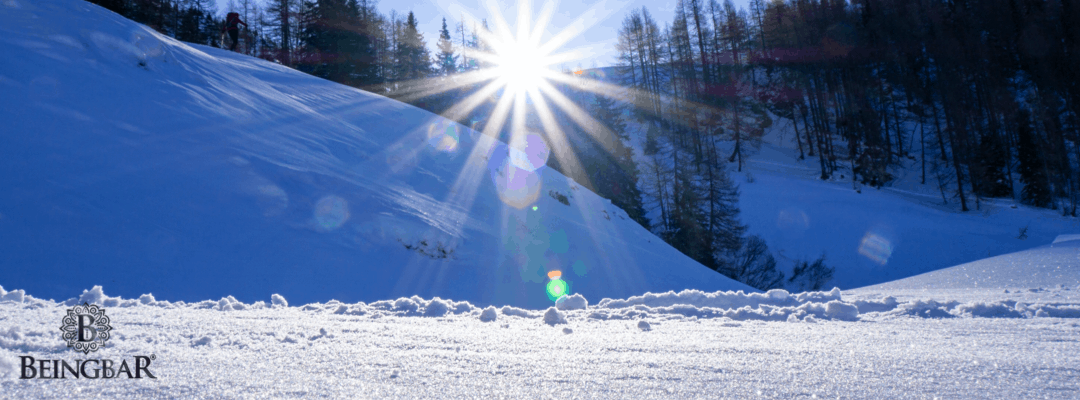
pixel 153 357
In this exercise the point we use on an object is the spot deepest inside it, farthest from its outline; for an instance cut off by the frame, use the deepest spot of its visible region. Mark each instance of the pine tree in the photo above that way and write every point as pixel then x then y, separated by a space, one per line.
pixel 326 40
pixel 116 6
pixel 755 267
pixel 413 59
pixel 464 46
pixel 991 167
pixel 447 61
pixel 280 12
pixel 810 276
pixel 1032 169
pixel 620 180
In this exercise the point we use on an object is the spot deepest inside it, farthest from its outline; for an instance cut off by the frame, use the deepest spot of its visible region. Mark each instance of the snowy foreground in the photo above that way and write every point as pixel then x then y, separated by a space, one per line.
pixel 1021 344
pixel 1005 327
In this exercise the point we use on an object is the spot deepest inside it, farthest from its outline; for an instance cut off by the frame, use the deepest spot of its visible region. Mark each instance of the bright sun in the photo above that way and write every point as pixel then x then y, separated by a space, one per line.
pixel 521 65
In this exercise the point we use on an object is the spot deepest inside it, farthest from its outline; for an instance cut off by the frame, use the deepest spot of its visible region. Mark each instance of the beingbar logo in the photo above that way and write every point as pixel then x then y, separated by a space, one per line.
pixel 86 328
pixel 60 369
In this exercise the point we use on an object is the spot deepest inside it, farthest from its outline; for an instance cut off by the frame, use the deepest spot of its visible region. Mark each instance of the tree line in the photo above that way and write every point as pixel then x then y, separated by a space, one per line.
pixel 972 93
pixel 982 96
pixel 346 41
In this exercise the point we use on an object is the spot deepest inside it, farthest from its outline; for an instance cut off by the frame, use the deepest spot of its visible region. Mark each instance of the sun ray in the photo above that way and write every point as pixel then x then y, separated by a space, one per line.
pixel 502 29
pixel 495 123
pixel 587 123
pixel 420 88
pixel 541 23
pixel 524 7
pixel 635 97
pixel 462 108
pixel 594 15
pixel 564 153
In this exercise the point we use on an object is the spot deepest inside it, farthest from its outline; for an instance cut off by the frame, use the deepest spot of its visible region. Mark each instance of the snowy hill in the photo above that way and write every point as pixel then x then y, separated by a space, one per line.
pixel 870 236
pixel 1052 266
pixel 147 165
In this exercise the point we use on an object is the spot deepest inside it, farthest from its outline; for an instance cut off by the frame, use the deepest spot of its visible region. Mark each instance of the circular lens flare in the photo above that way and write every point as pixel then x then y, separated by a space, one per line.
pixel 517 187
pixel 331 212
pixel 529 152
pixel 876 247
pixel 556 288
pixel 443 136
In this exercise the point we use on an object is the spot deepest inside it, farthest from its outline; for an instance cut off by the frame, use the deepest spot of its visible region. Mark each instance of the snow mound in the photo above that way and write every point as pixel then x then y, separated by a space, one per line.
pixel 982 309
pixel 722 300
pixel 517 312
pixel 887 303
pixel 572 302
pixel 436 308
pixel 488 315
pixel 278 300
pixel 15 295
pixel 553 317
pixel 775 305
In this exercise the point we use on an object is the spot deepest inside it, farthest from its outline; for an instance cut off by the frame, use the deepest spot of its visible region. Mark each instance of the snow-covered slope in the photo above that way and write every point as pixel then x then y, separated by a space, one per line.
pixel 870 236
pixel 133 161
pixel 873 236
pixel 1041 269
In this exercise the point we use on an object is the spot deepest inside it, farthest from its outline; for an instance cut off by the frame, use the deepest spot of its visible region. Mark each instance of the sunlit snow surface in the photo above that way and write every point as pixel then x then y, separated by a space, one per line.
pixel 686 345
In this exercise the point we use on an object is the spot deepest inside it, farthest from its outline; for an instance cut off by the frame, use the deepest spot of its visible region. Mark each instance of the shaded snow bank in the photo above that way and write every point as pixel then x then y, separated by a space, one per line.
pixel 775 305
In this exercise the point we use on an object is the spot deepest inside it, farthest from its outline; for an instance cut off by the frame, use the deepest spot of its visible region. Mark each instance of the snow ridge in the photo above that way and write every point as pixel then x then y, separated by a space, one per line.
pixel 775 305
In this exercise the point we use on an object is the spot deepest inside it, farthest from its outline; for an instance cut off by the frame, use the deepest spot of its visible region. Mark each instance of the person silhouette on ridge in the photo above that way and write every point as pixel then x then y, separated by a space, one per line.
pixel 232 20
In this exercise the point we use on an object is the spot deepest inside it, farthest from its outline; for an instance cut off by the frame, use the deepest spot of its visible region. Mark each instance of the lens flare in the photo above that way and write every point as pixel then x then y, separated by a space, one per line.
pixel 556 288
pixel 517 187
pixel 558 242
pixel 331 212
pixel 530 152
pixel 792 219
pixel 443 136
pixel 579 268
pixel 875 247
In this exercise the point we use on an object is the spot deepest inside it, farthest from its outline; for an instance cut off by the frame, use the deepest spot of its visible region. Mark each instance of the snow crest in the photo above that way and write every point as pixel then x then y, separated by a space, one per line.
pixel 775 305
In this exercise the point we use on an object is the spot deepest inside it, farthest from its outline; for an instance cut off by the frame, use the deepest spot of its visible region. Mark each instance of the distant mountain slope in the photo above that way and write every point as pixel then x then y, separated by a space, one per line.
pixel 143 164
pixel 870 237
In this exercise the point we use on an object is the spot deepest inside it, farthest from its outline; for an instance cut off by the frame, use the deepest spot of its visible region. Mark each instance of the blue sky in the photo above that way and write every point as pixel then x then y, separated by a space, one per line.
pixel 600 20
